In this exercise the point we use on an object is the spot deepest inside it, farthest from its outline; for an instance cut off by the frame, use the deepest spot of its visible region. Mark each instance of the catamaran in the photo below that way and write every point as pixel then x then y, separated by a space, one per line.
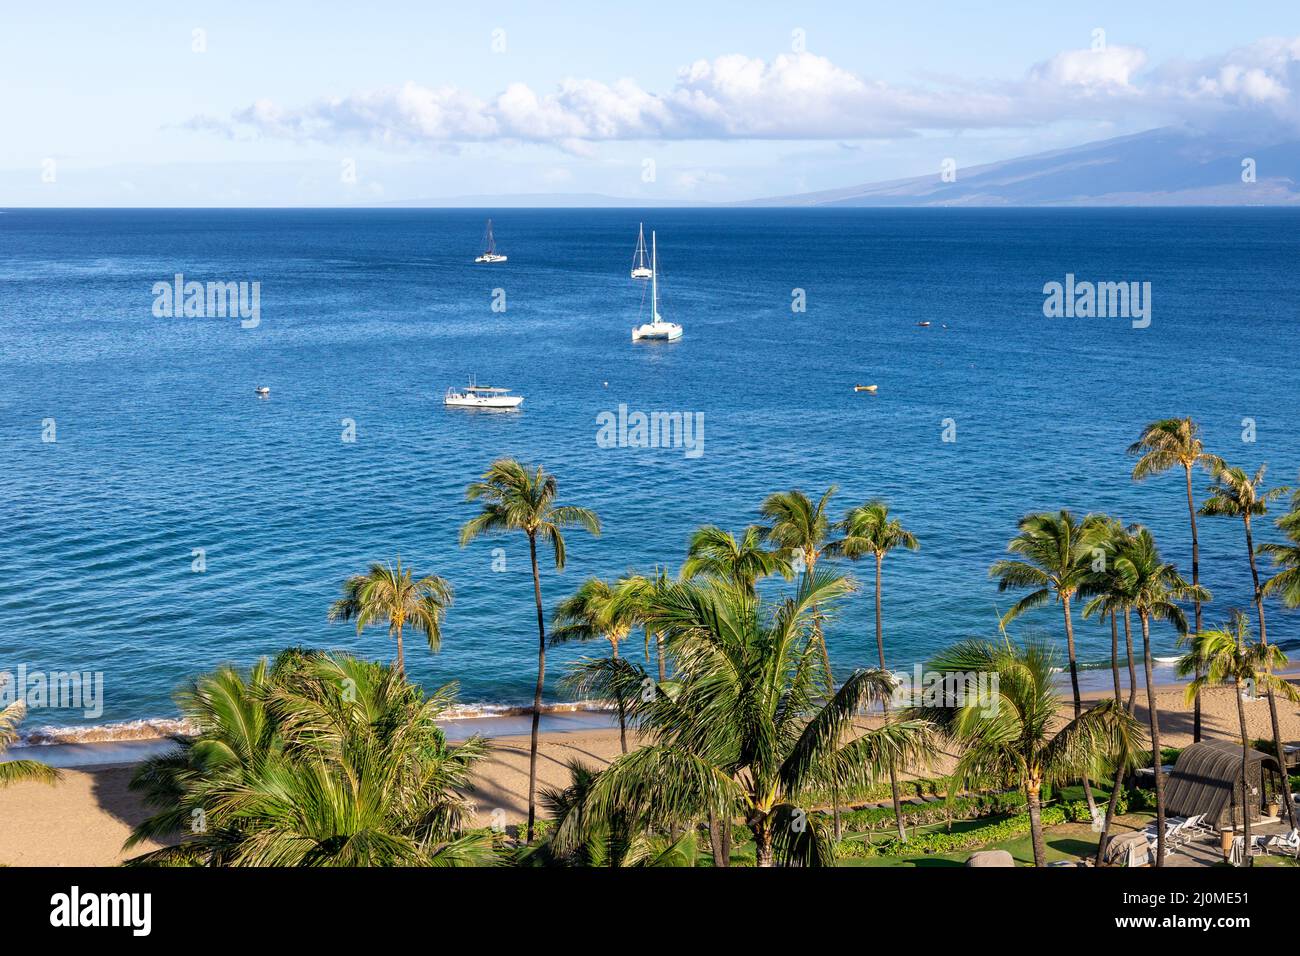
pixel 490 253
pixel 656 329
pixel 481 396
pixel 639 268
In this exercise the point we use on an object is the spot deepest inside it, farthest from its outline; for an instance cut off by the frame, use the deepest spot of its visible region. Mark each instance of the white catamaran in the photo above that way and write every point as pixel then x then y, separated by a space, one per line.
pixel 490 253
pixel 656 329
pixel 639 268
pixel 481 396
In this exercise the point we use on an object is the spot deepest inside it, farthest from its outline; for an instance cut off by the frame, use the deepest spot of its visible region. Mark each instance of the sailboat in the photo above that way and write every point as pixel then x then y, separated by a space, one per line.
pixel 490 253
pixel 640 270
pixel 656 329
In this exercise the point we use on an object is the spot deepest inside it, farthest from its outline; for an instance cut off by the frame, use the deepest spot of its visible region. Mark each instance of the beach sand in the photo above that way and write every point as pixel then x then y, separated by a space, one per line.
pixel 84 819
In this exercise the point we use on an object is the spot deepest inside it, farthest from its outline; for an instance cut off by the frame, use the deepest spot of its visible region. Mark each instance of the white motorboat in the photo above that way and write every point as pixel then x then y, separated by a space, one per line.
pixel 639 268
pixel 262 391
pixel 656 330
pixel 481 396
pixel 490 253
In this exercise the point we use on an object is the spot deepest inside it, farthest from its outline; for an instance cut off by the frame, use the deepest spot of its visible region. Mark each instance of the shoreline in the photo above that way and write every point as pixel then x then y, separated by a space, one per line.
pixel 84 819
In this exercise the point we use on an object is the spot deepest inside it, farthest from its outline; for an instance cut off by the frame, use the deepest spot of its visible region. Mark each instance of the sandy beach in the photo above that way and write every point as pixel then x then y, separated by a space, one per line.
pixel 84 819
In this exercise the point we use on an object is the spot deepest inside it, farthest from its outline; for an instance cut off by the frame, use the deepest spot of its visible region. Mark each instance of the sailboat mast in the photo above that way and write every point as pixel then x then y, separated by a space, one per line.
pixel 491 242
pixel 654 278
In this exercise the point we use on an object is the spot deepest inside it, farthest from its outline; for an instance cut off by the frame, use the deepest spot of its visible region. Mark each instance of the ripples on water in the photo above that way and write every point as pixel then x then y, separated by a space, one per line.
pixel 162 447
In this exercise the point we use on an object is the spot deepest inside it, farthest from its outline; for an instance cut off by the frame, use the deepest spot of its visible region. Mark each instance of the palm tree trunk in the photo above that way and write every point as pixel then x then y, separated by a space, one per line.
pixel 622 717
pixel 1272 699
pixel 1247 860
pixel 1074 683
pixel 537 693
pixel 762 844
pixel 1132 668
pixel 1114 654
pixel 718 842
pixel 1154 718
pixel 1196 579
pixel 1115 784
pixel 1032 798
pixel 810 561
pixel 401 660
pixel 1111 805
pixel 880 649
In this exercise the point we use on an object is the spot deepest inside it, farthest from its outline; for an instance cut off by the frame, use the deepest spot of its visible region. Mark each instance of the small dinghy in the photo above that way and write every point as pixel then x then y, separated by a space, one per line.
pixel 262 391
pixel 865 388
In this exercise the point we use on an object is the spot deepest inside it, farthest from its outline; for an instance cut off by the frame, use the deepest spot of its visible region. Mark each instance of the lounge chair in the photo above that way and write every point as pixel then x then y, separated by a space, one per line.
pixel 1290 843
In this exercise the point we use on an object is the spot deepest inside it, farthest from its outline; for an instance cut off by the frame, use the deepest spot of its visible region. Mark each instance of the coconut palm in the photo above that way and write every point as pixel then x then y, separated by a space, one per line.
pixel 745 728
pixel 1110 597
pixel 389 594
pixel 515 498
pixel 1166 444
pixel 1234 494
pixel 1151 587
pixel 868 530
pixel 599 610
pixel 717 554
pixel 1230 656
pixel 1056 553
pixel 1006 734
pixel 318 760
pixel 19 771
pixel 798 529
pixel 602 843
pixel 1286 582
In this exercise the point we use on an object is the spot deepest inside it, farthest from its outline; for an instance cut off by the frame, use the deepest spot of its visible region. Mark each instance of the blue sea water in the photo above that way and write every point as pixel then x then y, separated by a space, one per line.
pixel 368 315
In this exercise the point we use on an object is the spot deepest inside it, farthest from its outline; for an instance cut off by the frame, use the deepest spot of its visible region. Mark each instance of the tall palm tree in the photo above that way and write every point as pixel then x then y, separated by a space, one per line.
pixel 317 760
pixel 19 771
pixel 1152 587
pixel 515 498
pixel 868 530
pixel 745 726
pixel 1229 656
pixel 1055 558
pixel 1010 738
pixel 1286 582
pixel 718 554
pixel 389 594
pixel 1166 444
pixel 599 610
pixel 1234 494
pixel 1110 597
pixel 798 528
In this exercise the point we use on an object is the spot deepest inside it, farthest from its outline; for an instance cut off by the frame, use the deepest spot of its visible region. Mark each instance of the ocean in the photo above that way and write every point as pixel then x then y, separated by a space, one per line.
pixel 162 456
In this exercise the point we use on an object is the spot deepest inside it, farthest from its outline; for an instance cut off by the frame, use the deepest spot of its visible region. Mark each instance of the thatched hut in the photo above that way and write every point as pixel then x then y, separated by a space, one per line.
pixel 1207 779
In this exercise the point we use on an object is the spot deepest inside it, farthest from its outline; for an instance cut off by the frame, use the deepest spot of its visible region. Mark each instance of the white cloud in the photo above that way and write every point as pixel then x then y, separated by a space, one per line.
pixel 795 96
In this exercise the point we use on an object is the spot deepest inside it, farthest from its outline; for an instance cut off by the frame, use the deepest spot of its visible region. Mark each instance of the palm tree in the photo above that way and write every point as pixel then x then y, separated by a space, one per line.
pixel 602 843
pixel 745 727
pixel 1163 445
pixel 1110 598
pixel 1234 494
pixel 1056 558
pixel 1151 587
pixel 600 610
pixel 798 530
pixel 388 594
pixel 1010 737
pixel 317 760
pixel 868 530
pixel 517 499
pixel 1286 582
pixel 717 554
pixel 1229 656
pixel 19 771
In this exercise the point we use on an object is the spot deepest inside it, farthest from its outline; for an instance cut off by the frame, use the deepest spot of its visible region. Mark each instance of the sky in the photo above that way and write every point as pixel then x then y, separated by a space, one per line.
pixel 325 103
